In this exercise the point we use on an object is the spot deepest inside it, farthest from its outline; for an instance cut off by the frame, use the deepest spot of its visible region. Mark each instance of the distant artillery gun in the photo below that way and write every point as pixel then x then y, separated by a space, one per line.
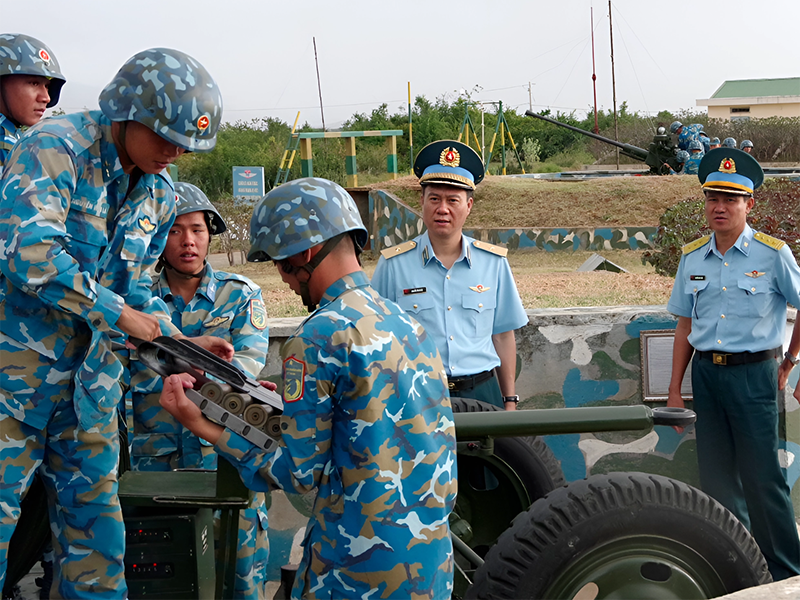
pixel 661 155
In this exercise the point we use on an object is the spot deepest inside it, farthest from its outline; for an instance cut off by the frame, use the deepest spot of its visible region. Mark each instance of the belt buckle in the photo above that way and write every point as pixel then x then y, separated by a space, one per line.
pixel 720 358
pixel 451 385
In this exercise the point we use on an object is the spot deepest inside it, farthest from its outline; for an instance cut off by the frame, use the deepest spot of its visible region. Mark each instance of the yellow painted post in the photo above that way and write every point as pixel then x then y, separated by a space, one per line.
pixel 503 144
pixel 306 158
pixel 350 162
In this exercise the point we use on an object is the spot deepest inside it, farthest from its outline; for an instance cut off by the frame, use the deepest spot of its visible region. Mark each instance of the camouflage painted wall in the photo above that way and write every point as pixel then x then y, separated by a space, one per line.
pixel 394 221
pixel 570 358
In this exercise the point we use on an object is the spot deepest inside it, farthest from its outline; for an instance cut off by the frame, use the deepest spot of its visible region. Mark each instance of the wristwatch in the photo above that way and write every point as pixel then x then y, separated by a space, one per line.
pixel 515 399
pixel 792 358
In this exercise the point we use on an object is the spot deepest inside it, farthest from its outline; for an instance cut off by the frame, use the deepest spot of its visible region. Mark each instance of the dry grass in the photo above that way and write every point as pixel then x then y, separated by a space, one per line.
pixel 544 279
pixel 602 202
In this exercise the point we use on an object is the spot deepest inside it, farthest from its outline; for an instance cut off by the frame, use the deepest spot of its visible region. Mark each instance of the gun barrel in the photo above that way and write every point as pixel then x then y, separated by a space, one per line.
pixel 550 421
pixel 627 149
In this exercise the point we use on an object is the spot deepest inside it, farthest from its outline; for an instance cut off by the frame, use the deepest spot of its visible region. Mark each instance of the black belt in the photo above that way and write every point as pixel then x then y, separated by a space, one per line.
pixel 467 382
pixel 739 358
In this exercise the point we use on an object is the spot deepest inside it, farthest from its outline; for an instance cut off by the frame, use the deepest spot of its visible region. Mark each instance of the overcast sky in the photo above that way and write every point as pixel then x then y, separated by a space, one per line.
pixel 667 54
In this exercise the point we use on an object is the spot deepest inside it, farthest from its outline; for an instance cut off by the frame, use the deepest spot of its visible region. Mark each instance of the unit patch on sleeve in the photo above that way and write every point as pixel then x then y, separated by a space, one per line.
pixel 258 314
pixel 294 377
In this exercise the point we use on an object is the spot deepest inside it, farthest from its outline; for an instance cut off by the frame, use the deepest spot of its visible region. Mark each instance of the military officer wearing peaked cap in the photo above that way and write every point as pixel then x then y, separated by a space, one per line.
pixel 460 289
pixel 730 297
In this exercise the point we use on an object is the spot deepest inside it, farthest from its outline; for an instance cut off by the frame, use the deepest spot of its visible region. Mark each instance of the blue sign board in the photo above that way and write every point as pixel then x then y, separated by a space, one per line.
pixel 248 182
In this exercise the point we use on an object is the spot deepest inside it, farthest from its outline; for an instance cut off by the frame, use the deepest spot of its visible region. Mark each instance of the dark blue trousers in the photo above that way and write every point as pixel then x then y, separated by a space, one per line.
pixel 737 452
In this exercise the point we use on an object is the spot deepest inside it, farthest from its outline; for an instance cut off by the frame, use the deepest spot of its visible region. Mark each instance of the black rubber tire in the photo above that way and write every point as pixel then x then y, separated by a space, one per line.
pixel 575 528
pixel 30 535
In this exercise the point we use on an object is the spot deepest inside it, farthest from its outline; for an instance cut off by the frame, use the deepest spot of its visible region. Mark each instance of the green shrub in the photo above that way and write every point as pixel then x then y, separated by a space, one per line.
pixel 775 213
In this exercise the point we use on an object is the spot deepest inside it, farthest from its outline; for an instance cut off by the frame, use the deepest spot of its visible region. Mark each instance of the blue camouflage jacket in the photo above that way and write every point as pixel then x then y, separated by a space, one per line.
pixel 367 422
pixel 8 137
pixel 75 246
pixel 226 305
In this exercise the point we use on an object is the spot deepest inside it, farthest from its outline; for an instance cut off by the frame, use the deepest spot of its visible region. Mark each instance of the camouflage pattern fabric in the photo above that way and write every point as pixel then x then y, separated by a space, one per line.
pixel 74 246
pixel 689 133
pixel 170 93
pixel 78 468
pixel 691 166
pixel 300 214
pixel 8 137
pixel 367 422
pixel 228 306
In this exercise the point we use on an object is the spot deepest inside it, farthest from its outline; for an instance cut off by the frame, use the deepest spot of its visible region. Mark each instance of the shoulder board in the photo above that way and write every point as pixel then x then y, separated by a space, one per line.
pixel 699 243
pixel 498 250
pixel 224 276
pixel 399 249
pixel 768 240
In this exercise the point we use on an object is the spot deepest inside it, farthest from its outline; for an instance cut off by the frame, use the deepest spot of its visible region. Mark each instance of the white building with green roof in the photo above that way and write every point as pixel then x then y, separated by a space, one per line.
pixel 755 99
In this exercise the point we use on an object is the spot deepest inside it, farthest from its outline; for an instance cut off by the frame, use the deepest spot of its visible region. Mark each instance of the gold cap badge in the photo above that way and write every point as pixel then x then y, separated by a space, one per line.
pixel 450 157
pixel 727 166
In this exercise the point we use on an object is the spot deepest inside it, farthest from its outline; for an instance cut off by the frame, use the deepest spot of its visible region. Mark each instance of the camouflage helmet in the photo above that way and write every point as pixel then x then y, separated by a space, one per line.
pixel 300 214
pixel 715 141
pixel 25 55
pixel 171 94
pixel 729 142
pixel 675 126
pixel 695 145
pixel 746 144
pixel 682 156
pixel 191 198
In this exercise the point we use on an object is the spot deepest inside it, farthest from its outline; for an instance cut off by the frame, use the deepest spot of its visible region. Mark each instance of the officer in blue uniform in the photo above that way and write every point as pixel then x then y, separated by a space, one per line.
pixel 461 290
pixel 30 82
pixel 730 297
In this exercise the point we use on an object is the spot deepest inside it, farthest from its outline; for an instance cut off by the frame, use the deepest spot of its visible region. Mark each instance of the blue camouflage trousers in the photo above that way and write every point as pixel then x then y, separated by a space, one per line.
pixel 78 468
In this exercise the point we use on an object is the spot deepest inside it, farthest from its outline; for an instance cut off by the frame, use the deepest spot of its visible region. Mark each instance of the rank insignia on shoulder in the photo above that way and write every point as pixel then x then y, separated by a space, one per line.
pixel 699 243
pixel 755 274
pixel 479 288
pixel 258 314
pixel 697 277
pixel 768 240
pixel 498 250
pixel 146 224
pixel 217 321
pixel 399 249
pixel 416 290
pixel 294 377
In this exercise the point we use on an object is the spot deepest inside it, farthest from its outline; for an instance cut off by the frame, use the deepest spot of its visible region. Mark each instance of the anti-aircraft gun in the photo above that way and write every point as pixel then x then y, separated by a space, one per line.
pixel 518 531
pixel 661 152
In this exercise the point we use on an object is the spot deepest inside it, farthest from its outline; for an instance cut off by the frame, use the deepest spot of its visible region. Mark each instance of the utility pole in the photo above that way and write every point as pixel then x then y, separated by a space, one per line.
pixel 319 85
pixel 613 81
pixel 530 97
pixel 594 76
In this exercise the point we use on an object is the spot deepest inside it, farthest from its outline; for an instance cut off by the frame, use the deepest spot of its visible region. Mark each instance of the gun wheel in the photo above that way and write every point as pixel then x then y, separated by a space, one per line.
pixel 622 535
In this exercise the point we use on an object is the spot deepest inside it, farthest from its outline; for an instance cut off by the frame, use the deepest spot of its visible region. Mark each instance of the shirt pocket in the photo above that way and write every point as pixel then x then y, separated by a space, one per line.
pixel 86 237
pixel 415 303
pixel 695 290
pixel 480 311
pixel 756 302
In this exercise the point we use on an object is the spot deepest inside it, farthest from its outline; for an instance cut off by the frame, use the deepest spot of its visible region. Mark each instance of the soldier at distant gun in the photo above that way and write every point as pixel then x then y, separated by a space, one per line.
pixel 692 164
pixel 688 133
pixel 461 290
pixel 203 302
pixel 30 82
pixel 366 417
pixel 747 146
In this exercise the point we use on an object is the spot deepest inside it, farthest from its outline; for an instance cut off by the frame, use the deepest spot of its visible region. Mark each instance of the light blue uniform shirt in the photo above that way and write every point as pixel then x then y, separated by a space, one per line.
pixel 692 166
pixel 8 137
pixel 460 308
pixel 737 302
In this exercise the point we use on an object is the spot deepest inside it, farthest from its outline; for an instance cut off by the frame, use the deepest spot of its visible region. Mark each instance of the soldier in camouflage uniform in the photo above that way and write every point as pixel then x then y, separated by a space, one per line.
pixel 85 208
pixel 692 164
pixel 367 419
pixel 30 82
pixel 686 133
pixel 203 301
